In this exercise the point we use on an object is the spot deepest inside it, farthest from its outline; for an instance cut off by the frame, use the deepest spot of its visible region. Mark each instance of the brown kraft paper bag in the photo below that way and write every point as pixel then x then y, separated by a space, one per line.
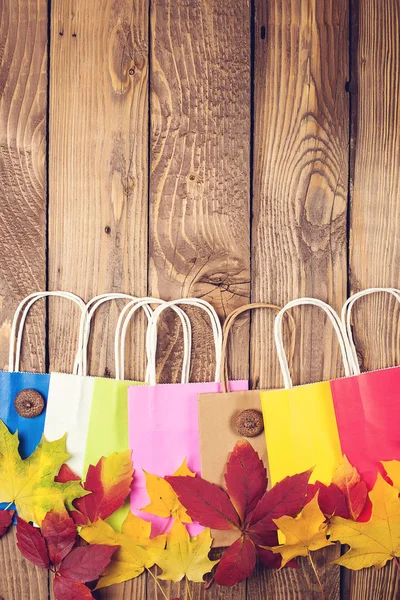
pixel 222 423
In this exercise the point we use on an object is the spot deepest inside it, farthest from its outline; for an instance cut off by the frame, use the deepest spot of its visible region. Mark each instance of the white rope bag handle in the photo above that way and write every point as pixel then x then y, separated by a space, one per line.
pixel 85 324
pixel 17 330
pixel 337 325
pixel 346 317
pixel 215 325
pixel 122 327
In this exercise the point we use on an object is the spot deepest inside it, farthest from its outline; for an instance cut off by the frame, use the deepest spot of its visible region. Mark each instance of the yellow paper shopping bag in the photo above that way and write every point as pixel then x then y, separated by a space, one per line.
pixel 300 424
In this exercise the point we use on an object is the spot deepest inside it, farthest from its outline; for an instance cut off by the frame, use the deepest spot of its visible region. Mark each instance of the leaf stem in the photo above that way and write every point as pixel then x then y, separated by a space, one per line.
pixel 157 583
pixel 317 576
pixel 188 589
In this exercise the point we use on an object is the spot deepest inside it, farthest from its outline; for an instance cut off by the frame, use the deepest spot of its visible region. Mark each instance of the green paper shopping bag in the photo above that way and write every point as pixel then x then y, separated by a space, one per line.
pixel 107 428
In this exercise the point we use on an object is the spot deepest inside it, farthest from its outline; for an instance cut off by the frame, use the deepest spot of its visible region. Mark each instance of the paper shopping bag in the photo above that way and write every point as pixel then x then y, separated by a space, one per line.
pixel 367 408
pixel 225 418
pixel 25 397
pixel 163 421
pixel 107 429
pixel 300 425
pixel 70 400
pixel 108 423
pixel 222 417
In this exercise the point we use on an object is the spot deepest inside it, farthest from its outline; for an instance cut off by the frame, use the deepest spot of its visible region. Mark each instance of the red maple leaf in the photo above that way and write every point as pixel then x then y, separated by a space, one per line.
pixel 6 517
pixel 52 548
pixel 109 482
pixel 246 506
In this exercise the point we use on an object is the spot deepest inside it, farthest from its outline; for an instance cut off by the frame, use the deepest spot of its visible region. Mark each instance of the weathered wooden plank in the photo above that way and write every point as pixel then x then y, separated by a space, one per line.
pixel 98 174
pixel 199 182
pixel 200 139
pixel 297 584
pixel 98 160
pixel 375 213
pixel 299 205
pixel 23 104
pixel 19 577
pixel 23 88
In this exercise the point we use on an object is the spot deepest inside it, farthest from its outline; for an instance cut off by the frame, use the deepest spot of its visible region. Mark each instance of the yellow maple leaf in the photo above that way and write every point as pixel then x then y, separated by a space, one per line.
pixel 377 541
pixel 302 534
pixel 136 551
pixel 163 500
pixel 29 483
pixel 184 556
pixel 392 468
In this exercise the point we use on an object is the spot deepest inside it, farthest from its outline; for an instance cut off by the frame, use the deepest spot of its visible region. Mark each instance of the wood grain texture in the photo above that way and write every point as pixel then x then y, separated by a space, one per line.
pixel 300 200
pixel 375 214
pixel 23 105
pixel 20 579
pixel 297 584
pixel 375 178
pixel 200 161
pixel 98 173
pixel 98 161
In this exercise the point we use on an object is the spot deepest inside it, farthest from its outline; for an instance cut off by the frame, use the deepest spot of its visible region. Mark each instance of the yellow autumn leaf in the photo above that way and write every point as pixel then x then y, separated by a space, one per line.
pixel 184 556
pixel 392 468
pixel 136 551
pixel 377 541
pixel 163 500
pixel 302 534
pixel 29 483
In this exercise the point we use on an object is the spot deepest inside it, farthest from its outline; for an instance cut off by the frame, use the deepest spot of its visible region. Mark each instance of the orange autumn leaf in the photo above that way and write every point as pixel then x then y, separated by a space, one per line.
pixel 164 501
pixel 376 542
pixel 302 534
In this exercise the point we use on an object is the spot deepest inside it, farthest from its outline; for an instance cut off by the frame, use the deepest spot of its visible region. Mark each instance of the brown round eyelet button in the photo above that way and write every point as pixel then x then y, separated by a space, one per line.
pixel 249 423
pixel 29 403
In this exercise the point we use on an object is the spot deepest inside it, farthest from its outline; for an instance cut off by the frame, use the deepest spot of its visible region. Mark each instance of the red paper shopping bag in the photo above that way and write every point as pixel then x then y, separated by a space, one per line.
pixel 367 408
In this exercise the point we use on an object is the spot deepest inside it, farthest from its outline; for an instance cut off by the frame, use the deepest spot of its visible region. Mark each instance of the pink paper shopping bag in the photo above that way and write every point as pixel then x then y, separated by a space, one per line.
pixel 367 408
pixel 163 419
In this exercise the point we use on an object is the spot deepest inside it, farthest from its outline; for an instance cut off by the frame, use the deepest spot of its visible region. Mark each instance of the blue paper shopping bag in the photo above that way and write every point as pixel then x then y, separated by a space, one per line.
pixel 23 396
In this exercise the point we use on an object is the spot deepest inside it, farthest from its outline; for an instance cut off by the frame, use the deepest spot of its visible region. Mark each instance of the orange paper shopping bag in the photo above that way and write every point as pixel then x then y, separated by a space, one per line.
pixel 300 424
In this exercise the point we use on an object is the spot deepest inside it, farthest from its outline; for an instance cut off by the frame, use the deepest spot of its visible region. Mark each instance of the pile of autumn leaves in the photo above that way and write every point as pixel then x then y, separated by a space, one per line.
pixel 309 517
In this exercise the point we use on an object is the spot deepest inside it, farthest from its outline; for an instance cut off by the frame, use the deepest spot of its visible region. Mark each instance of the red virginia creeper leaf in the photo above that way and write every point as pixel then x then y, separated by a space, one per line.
pixel 286 498
pixel 31 544
pixel 205 502
pixel 273 561
pixel 110 483
pixel 59 531
pixel 66 474
pixel 268 558
pixel 331 499
pixel 87 563
pixel 245 478
pixel 237 562
pixel 6 517
pixel 68 589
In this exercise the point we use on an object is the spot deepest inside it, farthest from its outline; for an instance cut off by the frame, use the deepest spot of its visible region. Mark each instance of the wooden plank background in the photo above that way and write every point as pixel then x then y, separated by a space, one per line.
pixel 224 150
